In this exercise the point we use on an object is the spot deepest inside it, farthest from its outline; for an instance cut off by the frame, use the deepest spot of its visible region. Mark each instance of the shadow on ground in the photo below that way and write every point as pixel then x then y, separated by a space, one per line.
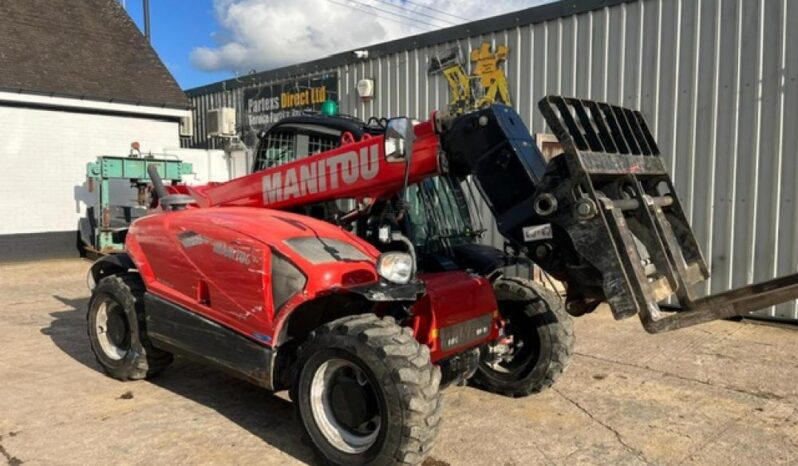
pixel 259 411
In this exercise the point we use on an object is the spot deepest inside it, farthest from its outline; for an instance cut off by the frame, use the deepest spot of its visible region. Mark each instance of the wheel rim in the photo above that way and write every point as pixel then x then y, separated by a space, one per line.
pixel 523 350
pixel 344 406
pixel 112 330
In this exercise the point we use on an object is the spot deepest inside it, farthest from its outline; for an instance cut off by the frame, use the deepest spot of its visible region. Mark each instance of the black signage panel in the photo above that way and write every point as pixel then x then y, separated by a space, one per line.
pixel 269 103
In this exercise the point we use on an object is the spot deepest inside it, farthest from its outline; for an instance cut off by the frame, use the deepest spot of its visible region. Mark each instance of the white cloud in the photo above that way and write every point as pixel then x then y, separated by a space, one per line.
pixel 265 34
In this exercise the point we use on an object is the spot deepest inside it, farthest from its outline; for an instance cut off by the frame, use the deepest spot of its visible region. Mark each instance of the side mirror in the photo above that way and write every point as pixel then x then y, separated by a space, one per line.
pixel 399 138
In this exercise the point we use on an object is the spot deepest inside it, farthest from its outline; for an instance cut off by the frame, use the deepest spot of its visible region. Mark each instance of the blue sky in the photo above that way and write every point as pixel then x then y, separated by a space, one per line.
pixel 204 41
pixel 179 26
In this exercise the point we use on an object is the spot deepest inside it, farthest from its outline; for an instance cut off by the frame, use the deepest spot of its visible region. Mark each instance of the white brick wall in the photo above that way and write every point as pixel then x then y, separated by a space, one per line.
pixel 208 165
pixel 43 156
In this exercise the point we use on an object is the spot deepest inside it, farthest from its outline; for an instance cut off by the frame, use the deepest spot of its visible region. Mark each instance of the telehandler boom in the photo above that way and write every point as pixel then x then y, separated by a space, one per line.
pixel 603 217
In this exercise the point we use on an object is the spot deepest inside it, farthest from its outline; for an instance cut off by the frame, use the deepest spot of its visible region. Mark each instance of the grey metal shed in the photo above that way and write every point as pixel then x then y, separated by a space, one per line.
pixel 717 80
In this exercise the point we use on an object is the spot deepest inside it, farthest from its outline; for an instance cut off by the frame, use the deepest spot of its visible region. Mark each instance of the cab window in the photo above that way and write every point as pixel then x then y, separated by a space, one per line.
pixel 277 148
pixel 291 142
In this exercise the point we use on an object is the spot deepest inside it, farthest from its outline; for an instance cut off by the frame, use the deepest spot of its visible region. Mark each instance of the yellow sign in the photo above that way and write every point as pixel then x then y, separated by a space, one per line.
pixel 304 97
pixel 491 76
pixel 486 85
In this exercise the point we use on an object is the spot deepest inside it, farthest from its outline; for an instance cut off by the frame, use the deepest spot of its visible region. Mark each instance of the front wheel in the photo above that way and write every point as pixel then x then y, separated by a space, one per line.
pixel 116 329
pixel 538 341
pixel 367 393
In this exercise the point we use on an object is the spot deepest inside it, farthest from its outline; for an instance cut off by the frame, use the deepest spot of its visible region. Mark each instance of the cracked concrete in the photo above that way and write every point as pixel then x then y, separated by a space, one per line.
pixel 618 435
pixel 11 460
pixel 723 393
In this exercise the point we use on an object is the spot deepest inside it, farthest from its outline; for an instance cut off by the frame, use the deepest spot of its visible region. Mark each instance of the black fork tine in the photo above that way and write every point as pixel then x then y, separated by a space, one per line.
pixel 546 107
pixel 615 128
pixel 626 130
pixel 587 126
pixel 603 131
pixel 598 126
pixel 652 143
pixel 573 128
pixel 640 138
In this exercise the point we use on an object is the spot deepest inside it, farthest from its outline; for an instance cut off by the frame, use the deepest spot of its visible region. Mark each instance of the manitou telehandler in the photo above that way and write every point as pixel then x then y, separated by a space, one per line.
pixel 363 311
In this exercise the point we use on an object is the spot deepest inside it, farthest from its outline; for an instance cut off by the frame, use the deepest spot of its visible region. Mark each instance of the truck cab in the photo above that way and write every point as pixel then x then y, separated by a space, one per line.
pixel 442 219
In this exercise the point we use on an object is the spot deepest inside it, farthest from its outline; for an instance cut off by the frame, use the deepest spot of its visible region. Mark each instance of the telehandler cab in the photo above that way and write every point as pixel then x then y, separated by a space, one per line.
pixel 363 326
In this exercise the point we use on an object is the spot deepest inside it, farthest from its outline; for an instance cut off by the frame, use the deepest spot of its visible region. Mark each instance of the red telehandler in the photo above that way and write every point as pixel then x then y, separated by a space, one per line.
pixel 363 313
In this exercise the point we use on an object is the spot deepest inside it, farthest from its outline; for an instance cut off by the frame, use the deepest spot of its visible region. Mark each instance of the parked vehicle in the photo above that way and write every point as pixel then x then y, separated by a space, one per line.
pixel 362 320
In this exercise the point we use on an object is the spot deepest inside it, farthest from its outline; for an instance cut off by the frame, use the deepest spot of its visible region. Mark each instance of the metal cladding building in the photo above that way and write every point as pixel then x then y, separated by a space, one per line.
pixel 716 79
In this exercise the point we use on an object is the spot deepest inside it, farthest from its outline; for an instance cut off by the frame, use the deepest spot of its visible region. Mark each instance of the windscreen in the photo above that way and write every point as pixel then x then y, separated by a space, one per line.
pixel 439 213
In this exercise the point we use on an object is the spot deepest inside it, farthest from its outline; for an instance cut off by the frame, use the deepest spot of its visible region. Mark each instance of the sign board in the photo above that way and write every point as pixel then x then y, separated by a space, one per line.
pixel 271 102
pixel 487 83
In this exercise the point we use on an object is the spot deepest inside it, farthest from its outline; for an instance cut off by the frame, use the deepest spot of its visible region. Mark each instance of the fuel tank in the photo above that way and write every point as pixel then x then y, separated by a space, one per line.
pixel 242 266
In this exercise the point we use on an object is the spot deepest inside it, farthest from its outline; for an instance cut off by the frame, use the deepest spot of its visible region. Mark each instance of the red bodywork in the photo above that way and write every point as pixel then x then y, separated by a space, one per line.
pixel 217 262
pixel 232 284
pixel 356 170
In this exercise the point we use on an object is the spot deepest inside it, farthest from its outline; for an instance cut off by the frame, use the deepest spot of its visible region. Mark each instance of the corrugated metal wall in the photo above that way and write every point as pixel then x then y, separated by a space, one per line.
pixel 717 80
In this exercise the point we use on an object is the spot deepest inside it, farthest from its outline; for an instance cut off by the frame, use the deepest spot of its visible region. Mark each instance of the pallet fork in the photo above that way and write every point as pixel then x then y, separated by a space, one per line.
pixel 603 217
pixel 630 224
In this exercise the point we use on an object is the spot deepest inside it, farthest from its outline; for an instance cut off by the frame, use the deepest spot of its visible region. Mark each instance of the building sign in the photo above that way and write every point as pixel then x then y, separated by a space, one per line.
pixel 272 102
pixel 486 84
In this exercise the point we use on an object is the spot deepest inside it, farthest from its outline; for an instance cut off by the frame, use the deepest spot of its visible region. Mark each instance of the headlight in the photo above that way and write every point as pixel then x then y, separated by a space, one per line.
pixel 396 267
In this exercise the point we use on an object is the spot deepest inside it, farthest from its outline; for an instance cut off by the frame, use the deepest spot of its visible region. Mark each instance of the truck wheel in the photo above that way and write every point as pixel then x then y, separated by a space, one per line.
pixel 116 329
pixel 538 344
pixel 367 393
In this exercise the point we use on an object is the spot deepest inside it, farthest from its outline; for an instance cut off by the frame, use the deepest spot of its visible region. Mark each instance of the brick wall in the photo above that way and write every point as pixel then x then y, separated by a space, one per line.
pixel 43 156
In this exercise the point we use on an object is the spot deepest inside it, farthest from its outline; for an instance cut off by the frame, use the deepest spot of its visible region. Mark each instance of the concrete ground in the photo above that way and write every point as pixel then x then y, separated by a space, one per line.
pixel 722 393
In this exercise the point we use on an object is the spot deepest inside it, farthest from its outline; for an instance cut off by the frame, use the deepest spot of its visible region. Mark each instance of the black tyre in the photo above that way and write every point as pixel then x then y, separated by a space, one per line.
pixel 540 338
pixel 366 393
pixel 116 329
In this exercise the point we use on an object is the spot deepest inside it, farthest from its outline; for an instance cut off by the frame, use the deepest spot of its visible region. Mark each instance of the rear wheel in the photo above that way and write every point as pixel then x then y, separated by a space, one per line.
pixel 116 329
pixel 367 393
pixel 538 343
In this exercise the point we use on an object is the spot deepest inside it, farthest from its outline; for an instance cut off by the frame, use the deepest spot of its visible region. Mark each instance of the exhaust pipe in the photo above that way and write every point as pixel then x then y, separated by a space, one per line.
pixel 157 182
pixel 165 200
